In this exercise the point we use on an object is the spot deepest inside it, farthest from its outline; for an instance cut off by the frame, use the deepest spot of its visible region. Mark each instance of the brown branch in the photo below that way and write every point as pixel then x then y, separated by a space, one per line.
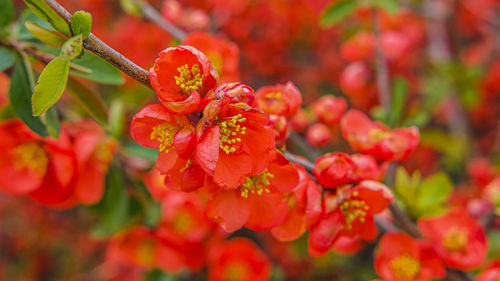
pixel 96 46
pixel 309 166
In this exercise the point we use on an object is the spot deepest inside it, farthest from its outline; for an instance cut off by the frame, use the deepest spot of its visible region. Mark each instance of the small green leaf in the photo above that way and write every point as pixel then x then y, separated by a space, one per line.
pixel 399 94
pixel 6 12
pixel 132 7
pixel 81 23
pixel 390 6
pixel 20 98
pixel 7 58
pixel 72 48
pixel 116 118
pixel 337 11
pixel 433 192
pixel 45 12
pixel 102 71
pixel 46 36
pixel 114 206
pixel 134 149
pixel 50 85
pixel 52 122
pixel 89 100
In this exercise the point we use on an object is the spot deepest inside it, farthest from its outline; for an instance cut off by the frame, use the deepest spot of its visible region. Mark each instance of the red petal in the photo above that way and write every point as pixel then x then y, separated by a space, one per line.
pixel 207 150
pixel 267 211
pixel 229 210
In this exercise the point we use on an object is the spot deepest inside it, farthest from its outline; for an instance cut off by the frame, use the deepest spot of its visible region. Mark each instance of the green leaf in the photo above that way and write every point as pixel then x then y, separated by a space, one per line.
pixel 52 122
pixel 46 36
pixel 72 48
pixel 102 71
pixel 81 23
pixel 50 85
pixel 7 58
pixel 6 12
pixel 116 118
pixel 131 7
pixel 45 12
pixel 390 6
pixel 20 98
pixel 433 192
pixel 399 94
pixel 337 11
pixel 89 100
pixel 114 206
pixel 20 31
pixel 139 151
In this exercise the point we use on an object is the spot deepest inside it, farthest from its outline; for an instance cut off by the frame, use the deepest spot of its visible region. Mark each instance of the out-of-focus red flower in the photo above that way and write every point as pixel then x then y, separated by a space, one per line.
pixel 349 212
pixel 187 18
pixel 155 127
pixel 299 121
pixel 4 88
pixel 347 245
pixel 481 171
pixel 223 54
pixel 402 258
pixel 94 152
pixel 281 99
pixel 359 47
pixel 155 183
pixel 140 246
pixel 304 208
pixel 181 76
pixel 259 202
pixel 367 168
pixel 329 109
pixel 280 127
pixel 235 142
pixel 458 239
pixel 334 169
pixel 490 273
pixel 376 139
pixel 491 193
pixel 318 135
pixel 238 259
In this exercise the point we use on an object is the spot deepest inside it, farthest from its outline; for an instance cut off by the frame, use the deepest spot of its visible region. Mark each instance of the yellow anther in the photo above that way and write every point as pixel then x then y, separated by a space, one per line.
pixel 353 210
pixel 164 133
pixel 189 162
pixel 405 267
pixel 31 156
pixel 231 131
pixel 189 79
pixel 256 184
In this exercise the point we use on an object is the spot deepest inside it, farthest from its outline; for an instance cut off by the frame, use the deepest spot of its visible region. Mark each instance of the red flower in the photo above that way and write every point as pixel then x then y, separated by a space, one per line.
pixel 367 168
pixel 349 212
pixel 258 203
pixel 223 54
pixel 304 208
pixel 491 273
pixel 376 139
pixel 402 258
pixel 458 239
pixel 329 109
pixel 318 135
pixel 279 99
pixel 334 169
pixel 235 144
pixel 155 127
pixel 238 260
pixel 181 76
pixel 236 93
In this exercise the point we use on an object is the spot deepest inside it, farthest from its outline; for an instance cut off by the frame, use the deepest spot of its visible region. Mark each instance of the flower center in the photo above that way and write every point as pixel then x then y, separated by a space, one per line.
pixel 353 210
pixel 455 240
pixel 31 156
pixel 256 184
pixel 273 95
pixel 164 133
pixel 377 135
pixel 145 252
pixel 189 79
pixel 236 271
pixel 182 222
pixel 405 267
pixel 231 132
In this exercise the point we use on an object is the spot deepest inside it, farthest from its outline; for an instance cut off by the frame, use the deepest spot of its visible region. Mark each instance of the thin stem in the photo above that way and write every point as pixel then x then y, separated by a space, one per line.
pixel 96 46
pixel 150 13
pixel 299 160
pixel 382 71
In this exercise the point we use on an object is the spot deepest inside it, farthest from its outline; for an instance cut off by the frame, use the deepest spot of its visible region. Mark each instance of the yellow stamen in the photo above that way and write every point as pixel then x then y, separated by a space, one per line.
pixel 256 184
pixel 164 133
pixel 189 80
pixel 31 156
pixel 455 240
pixel 405 267
pixel 273 95
pixel 231 133
pixel 354 210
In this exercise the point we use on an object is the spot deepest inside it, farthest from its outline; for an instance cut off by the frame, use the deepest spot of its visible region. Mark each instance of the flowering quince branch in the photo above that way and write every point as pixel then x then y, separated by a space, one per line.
pixel 98 47
pixel 149 12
